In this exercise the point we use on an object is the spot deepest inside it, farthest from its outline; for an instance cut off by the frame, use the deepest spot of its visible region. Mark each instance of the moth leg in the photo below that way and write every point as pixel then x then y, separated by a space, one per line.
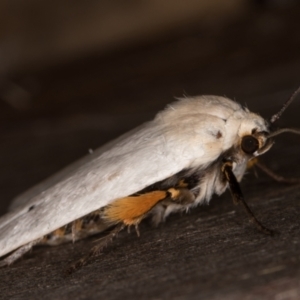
pixel 182 196
pixel 275 176
pixel 96 250
pixel 136 227
pixel 238 197
pixel 18 253
pixel 177 199
pixel 158 214
pixel 74 230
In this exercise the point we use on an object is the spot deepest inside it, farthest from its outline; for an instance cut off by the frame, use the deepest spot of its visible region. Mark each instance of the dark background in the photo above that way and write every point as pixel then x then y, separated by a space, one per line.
pixel 73 76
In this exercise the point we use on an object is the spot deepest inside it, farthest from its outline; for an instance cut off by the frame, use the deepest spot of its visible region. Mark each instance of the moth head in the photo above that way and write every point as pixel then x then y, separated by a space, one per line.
pixel 260 140
pixel 256 143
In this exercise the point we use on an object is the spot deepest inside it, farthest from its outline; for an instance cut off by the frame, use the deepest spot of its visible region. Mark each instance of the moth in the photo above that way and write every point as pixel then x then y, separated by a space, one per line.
pixel 195 148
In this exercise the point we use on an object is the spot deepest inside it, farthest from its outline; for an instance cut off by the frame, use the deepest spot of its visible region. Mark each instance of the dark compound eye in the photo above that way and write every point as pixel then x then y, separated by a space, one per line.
pixel 249 144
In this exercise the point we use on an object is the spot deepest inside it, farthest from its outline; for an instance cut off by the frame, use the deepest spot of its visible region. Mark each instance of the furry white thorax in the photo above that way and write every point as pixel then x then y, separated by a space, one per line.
pixel 222 123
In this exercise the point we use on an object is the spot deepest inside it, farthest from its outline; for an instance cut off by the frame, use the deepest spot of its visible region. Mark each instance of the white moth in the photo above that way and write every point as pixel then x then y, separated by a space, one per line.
pixel 193 149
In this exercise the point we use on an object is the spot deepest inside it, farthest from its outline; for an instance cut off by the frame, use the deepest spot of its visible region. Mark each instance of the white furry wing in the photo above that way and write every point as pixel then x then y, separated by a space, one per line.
pixel 183 136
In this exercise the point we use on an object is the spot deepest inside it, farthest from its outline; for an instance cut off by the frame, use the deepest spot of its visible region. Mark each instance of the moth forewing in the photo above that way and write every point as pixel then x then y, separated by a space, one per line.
pixel 194 148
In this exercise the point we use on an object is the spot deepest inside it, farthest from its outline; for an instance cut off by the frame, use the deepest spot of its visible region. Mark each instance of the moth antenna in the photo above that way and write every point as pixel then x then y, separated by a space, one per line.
pixel 276 116
pixel 275 176
pixel 283 130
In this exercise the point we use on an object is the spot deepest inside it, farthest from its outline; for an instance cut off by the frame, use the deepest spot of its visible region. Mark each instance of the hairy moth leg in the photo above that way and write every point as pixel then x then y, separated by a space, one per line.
pixel 130 211
pixel 133 209
pixel 238 197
